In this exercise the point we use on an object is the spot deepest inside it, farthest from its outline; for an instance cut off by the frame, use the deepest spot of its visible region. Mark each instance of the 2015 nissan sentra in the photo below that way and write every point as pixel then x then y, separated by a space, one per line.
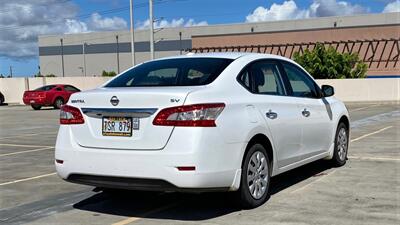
pixel 201 122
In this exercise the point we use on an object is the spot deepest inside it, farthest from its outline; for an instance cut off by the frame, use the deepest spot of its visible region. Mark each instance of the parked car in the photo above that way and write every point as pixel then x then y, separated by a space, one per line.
pixel 2 99
pixel 50 95
pixel 204 122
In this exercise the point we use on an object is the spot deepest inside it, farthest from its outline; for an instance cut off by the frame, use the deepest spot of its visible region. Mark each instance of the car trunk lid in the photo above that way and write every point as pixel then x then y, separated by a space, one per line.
pixel 141 104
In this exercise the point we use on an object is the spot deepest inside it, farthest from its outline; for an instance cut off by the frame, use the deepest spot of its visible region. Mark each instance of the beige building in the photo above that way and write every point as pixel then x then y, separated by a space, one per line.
pixel 375 37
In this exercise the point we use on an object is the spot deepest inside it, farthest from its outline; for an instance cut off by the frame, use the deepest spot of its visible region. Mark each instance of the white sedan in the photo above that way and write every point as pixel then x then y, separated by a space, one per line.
pixel 201 122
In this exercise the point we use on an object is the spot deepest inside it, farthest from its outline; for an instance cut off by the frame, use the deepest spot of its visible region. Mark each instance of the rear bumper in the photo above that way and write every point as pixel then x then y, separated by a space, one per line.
pixel 217 163
pixel 34 101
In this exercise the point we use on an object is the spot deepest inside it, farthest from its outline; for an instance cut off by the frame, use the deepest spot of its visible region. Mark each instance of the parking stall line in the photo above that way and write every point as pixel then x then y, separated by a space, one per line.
pixel 374 158
pixel 133 219
pixel 362 108
pixel 311 183
pixel 28 179
pixel 25 146
pixel 21 152
pixel 26 135
pixel 369 134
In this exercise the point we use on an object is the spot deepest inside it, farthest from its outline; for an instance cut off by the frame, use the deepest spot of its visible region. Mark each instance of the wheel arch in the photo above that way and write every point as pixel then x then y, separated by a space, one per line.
pixel 344 119
pixel 265 142
pixel 57 97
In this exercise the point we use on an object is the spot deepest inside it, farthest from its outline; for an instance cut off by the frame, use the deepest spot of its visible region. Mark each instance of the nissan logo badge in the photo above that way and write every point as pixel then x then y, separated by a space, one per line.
pixel 114 100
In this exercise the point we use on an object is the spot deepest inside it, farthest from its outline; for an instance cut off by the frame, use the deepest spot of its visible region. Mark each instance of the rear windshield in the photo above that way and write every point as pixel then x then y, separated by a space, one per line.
pixel 45 88
pixel 172 72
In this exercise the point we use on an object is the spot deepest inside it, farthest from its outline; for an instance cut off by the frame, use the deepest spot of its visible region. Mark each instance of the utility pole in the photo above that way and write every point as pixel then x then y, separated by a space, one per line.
pixel 151 20
pixel 84 57
pixel 132 35
pixel 62 56
pixel 10 71
pixel 116 37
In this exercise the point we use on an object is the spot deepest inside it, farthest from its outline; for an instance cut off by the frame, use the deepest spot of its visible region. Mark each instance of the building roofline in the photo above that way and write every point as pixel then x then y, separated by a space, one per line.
pixel 367 23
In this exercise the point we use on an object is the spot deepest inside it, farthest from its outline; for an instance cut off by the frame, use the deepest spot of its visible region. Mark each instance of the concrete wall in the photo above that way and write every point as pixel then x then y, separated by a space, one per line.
pixel 348 90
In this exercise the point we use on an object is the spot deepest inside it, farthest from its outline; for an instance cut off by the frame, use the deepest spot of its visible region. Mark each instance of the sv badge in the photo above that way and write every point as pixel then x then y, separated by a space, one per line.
pixel 174 100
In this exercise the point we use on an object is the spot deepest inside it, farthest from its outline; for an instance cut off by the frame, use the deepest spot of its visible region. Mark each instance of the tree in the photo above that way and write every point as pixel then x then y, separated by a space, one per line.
pixel 327 63
pixel 108 74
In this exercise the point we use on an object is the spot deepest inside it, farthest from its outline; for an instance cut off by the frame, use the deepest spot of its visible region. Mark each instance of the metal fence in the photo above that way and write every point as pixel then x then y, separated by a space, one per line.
pixel 382 53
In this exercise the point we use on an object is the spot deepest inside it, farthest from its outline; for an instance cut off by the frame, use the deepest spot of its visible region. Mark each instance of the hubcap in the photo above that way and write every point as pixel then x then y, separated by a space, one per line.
pixel 59 103
pixel 342 144
pixel 257 175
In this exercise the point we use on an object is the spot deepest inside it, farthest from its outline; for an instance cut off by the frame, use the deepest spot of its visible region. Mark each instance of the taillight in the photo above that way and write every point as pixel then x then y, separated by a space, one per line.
pixel 199 115
pixel 70 115
pixel 41 94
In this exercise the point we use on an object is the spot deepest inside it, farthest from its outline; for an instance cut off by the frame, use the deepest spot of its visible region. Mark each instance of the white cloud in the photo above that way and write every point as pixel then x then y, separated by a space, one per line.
pixel 21 22
pixel 173 23
pixel 392 7
pixel 319 8
pixel 286 10
pixel 96 22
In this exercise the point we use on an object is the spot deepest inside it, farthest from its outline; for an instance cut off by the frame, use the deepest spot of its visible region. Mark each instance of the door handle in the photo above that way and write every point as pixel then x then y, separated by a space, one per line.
pixel 306 113
pixel 271 115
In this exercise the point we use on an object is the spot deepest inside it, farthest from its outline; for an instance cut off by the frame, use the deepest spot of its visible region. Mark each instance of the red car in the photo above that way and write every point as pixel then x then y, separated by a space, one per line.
pixel 50 95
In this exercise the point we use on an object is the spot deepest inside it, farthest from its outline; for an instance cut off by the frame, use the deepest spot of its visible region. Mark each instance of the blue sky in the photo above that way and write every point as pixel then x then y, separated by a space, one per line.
pixel 50 17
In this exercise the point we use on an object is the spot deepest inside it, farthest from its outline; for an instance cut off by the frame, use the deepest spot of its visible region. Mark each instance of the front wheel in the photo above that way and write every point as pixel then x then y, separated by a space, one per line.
pixel 341 145
pixel 255 179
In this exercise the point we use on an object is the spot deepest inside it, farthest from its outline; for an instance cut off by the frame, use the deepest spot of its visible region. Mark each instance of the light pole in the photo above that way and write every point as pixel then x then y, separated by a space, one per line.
pixel 151 20
pixel 62 56
pixel 132 34
pixel 84 57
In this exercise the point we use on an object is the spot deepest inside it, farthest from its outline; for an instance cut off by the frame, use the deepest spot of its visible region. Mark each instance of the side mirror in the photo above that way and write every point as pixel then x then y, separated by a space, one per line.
pixel 328 90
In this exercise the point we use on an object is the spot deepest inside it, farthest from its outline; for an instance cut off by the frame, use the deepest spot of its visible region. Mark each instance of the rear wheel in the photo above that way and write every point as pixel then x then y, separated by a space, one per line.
pixel 341 145
pixel 255 180
pixel 58 103
pixel 36 107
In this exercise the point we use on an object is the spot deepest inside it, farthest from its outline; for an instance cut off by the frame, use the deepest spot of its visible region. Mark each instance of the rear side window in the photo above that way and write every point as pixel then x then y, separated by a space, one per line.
pixel 71 88
pixel 172 72
pixel 45 88
pixel 262 77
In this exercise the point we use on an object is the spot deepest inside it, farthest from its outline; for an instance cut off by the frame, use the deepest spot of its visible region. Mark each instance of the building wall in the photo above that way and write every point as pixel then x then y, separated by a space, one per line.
pixel 377 62
pixel 101 48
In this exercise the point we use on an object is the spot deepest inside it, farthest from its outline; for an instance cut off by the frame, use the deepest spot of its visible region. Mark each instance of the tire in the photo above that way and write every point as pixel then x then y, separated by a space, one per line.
pixel 36 107
pixel 248 198
pixel 58 103
pixel 341 145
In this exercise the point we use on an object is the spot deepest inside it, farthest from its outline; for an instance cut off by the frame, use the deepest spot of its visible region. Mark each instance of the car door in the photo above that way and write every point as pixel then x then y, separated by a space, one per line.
pixel 316 122
pixel 280 112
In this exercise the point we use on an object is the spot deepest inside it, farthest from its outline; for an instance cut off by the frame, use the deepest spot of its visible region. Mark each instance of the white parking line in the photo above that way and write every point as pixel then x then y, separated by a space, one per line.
pixel 312 182
pixel 25 135
pixel 362 108
pixel 374 158
pixel 27 179
pixel 133 219
pixel 369 134
pixel 20 152
pixel 26 146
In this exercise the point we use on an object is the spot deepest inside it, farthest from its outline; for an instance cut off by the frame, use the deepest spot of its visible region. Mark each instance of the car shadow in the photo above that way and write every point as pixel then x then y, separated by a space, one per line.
pixel 183 206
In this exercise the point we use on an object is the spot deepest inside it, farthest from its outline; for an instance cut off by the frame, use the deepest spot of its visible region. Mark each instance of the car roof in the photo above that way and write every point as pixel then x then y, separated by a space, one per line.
pixel 224 55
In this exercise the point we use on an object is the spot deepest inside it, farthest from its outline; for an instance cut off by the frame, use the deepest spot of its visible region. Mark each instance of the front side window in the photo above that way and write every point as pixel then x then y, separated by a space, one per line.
pixel 301 84
pixel 172 72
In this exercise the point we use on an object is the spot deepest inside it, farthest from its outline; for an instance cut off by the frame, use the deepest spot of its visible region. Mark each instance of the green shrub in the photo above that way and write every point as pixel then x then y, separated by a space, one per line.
pixel 327 63
pixel 108 74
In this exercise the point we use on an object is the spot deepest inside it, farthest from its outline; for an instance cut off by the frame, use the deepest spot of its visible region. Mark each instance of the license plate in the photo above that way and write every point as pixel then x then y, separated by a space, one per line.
pixel 119 126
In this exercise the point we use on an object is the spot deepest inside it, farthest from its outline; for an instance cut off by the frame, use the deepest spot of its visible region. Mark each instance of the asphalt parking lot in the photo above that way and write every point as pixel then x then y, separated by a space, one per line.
pixel 365 191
